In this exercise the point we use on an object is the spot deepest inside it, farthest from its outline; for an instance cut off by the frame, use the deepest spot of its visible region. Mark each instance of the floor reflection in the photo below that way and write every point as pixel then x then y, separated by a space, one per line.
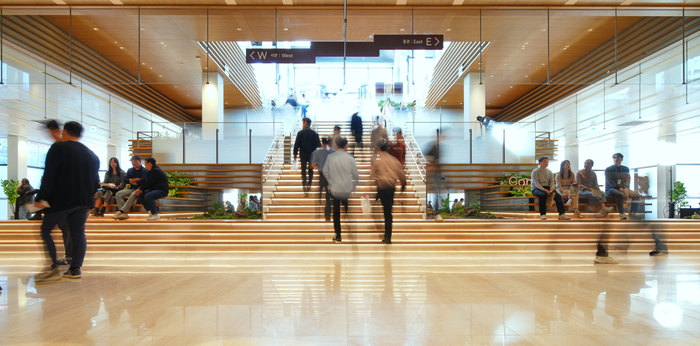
pixel 362 299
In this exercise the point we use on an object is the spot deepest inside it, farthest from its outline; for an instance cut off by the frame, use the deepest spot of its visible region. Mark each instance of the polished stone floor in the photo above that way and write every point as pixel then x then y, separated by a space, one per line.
pixel 339 296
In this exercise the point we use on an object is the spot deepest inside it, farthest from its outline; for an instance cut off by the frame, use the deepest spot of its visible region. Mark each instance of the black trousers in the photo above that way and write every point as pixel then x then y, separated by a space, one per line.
pixel 323 183
pixel 543 200
pixel 67 243
pixel 306 167
pixel 386 196
pixel 76 218
pixel 336 212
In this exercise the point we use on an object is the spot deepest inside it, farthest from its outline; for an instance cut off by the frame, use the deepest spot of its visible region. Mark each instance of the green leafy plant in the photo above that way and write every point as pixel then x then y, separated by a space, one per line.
pixel 218 211
pixel 519 184
pixel 178 179
pixel 471 212
pixel 678 195
pixel 444 205
pixel 173 192
pixel 10 188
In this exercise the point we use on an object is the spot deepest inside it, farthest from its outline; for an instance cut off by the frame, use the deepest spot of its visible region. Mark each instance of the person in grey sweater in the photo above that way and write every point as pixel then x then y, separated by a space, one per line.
pixel 341 171
pixel 543 185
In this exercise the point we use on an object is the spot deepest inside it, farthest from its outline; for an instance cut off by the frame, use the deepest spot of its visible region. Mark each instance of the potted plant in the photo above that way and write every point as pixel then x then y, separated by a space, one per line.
pixel 677 198
pixel 10 188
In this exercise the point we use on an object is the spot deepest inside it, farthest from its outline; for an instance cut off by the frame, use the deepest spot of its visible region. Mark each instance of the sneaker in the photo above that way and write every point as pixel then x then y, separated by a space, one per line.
pixel 658 253
pixel 36 217
pixel 635 216
pixel 605 260
pixel 49 273
pixel 578 214
pixel 337 240
pixel 623 216
pixel 564 217
pixel 123 216
pixel 64 261
pixel 605 211
pixel 72 273
pixel 153 217
pixel 116 215
pixel 386 241
pixel 543 217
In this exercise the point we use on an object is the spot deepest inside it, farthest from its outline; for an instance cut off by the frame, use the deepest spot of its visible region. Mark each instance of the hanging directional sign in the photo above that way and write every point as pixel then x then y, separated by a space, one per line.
pixel 420 42
pixel 296 56
pixel 348 49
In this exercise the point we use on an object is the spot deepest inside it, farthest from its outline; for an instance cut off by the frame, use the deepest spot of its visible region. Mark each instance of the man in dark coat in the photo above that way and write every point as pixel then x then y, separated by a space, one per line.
pixel 306 142
pixel 67 188
pixel 356 129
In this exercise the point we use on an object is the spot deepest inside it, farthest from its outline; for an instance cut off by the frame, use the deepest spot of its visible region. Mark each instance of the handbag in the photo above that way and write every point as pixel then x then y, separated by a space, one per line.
pixel 366 206
pixel 295 166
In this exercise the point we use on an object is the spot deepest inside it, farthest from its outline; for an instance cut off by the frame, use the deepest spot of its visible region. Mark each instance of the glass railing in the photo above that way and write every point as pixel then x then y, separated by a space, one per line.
pixel 209 142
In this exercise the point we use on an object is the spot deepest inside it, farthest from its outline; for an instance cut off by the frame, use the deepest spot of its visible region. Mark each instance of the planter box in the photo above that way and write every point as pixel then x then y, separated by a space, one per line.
pixel 687 212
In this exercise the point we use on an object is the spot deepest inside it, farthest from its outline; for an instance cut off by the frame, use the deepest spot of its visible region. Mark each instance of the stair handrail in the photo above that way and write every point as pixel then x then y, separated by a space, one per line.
pixel 143 136
pixel 273 153
pixel 416 154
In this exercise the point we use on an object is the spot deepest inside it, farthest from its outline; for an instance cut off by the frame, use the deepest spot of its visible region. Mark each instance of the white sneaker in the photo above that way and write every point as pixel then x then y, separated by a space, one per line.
pixel 116 215
pixel 605 260
pixel 564 217
pixel 543 217
pixel 123 216
pixel 605 211
pixel 149 213
pixel 623 216
pixel 153 217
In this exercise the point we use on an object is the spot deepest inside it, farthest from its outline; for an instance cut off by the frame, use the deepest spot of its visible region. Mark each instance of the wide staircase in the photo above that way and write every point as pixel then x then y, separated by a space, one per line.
pixel 288 201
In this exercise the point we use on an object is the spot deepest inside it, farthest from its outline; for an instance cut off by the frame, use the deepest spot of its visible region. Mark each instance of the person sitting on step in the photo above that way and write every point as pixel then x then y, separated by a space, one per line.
pixel 155 187
pixel 112 183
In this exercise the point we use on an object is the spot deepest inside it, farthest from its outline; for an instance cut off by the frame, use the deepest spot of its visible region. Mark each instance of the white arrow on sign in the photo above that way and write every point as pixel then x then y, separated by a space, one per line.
pixel 251 55
pixel 438 41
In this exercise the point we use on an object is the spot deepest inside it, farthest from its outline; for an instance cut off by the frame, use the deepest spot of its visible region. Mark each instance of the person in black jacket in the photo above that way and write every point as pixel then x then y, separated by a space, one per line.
pixel 155 187
pixel 307 141
pixel 67 188
pixel 356 129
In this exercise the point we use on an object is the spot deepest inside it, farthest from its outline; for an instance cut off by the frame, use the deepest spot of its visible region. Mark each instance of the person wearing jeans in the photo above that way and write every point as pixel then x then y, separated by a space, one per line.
pixel 617 184
pixel 135 177
pixel 385 171
pixel 155 187
pixel 543 186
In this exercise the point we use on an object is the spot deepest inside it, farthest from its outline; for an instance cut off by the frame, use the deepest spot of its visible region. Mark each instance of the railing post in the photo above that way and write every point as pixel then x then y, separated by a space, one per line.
pixel 471 146
pixel 504 145
pixel 184 138
pixel 250 146
pixel 217 146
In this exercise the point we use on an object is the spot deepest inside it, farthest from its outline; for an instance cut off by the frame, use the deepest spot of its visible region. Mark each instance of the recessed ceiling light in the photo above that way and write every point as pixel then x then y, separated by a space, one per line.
pixel 143 63
pixel 225 102
pixel 150 68
pixel 121 47
pixel 543 64
pixel 522 48
pixel 401 30
pixel 176 87
pixel 245 102
pixel 162 43
pixel 239 29
pixel 142 29
pixel 188 95
pixel 115 41
pixel 589 30
pixel 543 30
pixel 449 29
pixel 488 103
pixel 491 76
pixel 505 64
pixel 567 46
pixel 525 76
pixel 511 87
pixel 499 95
pixel 460 103
pixel 444 100
pixel 160 75
pixel 96 29
pixel 285 29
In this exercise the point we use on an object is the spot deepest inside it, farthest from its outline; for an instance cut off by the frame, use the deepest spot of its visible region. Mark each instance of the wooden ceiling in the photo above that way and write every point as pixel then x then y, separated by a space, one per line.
pixel 170 60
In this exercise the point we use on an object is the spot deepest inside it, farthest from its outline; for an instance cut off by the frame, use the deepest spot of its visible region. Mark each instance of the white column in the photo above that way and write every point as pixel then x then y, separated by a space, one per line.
pixel 212 105
pixel 571 152
pixel 113 151
pixel 474 97
pixel 16 157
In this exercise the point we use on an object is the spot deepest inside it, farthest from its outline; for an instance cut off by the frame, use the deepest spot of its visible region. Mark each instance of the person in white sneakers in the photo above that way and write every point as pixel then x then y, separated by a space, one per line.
pixel 567 187
pixel 155 187
pixel 543 186
pixel 617 184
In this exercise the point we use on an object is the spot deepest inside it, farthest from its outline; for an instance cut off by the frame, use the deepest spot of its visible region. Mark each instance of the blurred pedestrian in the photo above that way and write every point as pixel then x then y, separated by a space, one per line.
pixel 385 171
pixel 356 129
pixel 318 161
pixel 341 171
pixel 306 142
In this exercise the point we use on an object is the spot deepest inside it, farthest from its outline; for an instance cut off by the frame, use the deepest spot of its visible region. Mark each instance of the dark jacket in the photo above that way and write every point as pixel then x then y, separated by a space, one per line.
pixel 356 125
pixel 133 173
pixel 26 194
pixel 70 176
pixel 157 180
pixel 307 141
pixel 116 179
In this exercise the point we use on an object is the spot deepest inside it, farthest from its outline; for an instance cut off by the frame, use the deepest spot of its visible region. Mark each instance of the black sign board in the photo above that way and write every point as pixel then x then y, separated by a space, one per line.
pixel 420 42
pixel 339 49
pixel 296 56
